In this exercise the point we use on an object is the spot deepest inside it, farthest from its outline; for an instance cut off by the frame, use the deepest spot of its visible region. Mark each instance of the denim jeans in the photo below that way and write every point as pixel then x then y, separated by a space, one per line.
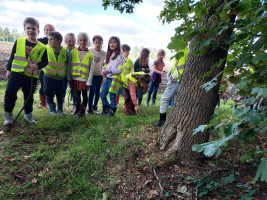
pixel 41 78
pixel 53 87
pixel 15 82
pixel 153 87
pixel 94 91
pixel 140 93
pixel 65 86
pixel 104 93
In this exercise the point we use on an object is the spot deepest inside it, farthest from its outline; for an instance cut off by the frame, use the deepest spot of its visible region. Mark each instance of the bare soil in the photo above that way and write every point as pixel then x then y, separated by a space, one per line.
pixel 5 50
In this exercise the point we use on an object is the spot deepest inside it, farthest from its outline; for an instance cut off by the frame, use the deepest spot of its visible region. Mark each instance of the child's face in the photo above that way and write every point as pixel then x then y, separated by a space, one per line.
pixel 82 42
pixel 113 45
pixel 53 42
pixel 143 85
pixel 126 53
pixel 98 44
pixel 31 31
pixel 70 42
pixel 161 56
pixel 47 30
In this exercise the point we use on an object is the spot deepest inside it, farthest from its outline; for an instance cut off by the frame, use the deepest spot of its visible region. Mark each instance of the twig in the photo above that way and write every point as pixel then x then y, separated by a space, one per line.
pixel 159 181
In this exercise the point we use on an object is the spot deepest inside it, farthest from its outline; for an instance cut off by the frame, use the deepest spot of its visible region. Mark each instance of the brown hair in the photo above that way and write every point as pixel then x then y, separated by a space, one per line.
pixel 32 21
pixel 125 47
pixel 49 25
pixel 160 51
pixel 117 51
pixel 56 35
pixel 143 58
pixel 87 38
pixel 98 37
pixel 142 78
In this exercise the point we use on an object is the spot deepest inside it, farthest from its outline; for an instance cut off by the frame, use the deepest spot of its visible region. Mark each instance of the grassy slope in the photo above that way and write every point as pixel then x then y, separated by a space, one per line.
pixel 65 153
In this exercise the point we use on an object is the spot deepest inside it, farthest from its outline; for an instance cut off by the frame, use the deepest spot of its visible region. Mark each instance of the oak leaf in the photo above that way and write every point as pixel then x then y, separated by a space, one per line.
pixel 34 180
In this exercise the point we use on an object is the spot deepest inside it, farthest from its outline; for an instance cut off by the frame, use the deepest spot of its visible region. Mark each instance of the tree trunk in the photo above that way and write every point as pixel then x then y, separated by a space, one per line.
pixel 193 105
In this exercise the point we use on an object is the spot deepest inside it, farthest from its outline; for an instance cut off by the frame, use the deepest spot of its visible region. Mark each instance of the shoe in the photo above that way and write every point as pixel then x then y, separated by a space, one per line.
pixel 154 100
pixel 94 108
pixel 147 103
pixel 60 109
pixel 64 106
pixel 81 111
pixel 111 112
pixel 52 109
pixel 43 103
pixel 159 123
pixel 171 104
pixel 72 109
pixel 8 118
pixel 29 119
pixel 139 101
pixel 90 111
pixel 77 108
pixel 105 110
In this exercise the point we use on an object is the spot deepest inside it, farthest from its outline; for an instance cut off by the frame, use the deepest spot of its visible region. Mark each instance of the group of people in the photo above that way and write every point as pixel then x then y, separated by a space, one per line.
pixel 83 69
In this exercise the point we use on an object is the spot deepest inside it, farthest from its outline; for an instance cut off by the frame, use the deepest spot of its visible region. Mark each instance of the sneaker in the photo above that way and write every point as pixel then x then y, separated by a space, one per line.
pixel 94 108
pixel 90 111
pixel 61 112
pixel 72 109
pixel 29 119
pixel 159 123
pixel 64 106
pixel 8 118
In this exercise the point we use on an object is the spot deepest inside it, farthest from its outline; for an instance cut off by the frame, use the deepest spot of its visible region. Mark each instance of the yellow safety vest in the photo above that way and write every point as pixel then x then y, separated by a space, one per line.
pixel 56 66
pixel 179 64
pixel 116 82
pixel 131 78
pixel 20 62
pixel 79 68
pixel 126 69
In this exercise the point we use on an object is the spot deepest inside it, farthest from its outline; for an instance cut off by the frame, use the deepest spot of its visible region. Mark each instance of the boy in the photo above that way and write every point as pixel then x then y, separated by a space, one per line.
pixel 127 68
pixel 172 87
pixel 55 72
pixel 27 56
pixel 70 41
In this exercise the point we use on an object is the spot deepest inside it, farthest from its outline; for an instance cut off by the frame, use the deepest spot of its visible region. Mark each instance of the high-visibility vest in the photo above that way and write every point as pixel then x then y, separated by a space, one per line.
pixel 179 65
pixel 20 62
pixel 116 82
pixel 129 77
pixel 56 66
pixel 79 68
pixel 126 69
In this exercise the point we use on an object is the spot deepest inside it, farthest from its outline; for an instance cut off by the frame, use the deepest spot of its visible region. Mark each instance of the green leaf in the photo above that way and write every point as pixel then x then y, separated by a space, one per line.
pixel 224 28
pixel 243 61
pixel 259 44
pixel 206 42
pixel 200 128
pixel 211 3
pixel 229 179
pixel 262 171
pixel 243 83
pixel 243 7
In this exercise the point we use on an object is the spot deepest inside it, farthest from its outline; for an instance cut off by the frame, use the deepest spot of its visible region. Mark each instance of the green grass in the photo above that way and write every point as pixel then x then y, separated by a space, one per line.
pixel 67 153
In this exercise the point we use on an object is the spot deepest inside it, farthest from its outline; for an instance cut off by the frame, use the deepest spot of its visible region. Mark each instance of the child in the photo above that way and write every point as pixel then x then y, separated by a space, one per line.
pixel 172 87
pixel 141 65
pixel 47 29
pixel 132 83
pixel 128 67
pixel 81 72
pixel 70 41
pixel 156 76
pixel 99 57
pixel 113 69
pixel 27 55
pixel 54 72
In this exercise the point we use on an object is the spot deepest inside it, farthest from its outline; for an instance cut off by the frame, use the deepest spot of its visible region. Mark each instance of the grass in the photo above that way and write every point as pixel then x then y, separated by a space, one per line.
pixel 70 157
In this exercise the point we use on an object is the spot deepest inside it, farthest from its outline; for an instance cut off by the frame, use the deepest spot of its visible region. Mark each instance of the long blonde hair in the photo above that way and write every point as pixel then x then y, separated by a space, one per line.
pixel 144 57
pixel 160 51
pixel 87 38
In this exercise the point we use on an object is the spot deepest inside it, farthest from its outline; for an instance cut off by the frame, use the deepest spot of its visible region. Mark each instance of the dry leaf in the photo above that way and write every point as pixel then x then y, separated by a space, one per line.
pixel 32 138
pixel 34 193
pixel 47 123
pixel 65 180
pixel 123 134
pixel 47 170
pixel 51 141
pixel 1 132
pixel 128 130
pixel 68 192
pixel 151 193
pixel 10 158
pixel 25 157
pixel 55 137
pixel 34 180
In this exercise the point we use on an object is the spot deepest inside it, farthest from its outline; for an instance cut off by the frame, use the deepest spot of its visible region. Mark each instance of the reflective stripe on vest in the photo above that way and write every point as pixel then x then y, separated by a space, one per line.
pixel 126 70
pixel 116 82
pixel 56 66
pixel 131 78
pixel 180 65
pixel 79 68
pixel 20 62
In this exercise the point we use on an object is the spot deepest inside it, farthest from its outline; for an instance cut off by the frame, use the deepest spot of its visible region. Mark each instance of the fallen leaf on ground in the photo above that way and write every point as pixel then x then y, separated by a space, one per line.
pixel 1 132
pixel 68 192
pixel 105 196
pixel 34 193
pixel 47 123
pixel 32 138
pixel 10 158
pixel 47 170
pixel 182 189
pixel 151 193
pixel 51 141
pixel 34 180
pixel 25 157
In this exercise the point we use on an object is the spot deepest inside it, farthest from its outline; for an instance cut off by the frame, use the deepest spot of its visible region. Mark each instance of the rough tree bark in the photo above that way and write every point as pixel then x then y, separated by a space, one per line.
pixel 193 105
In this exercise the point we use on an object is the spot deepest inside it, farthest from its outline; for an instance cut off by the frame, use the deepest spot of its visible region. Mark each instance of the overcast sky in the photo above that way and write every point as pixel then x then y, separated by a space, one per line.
pixel 142 28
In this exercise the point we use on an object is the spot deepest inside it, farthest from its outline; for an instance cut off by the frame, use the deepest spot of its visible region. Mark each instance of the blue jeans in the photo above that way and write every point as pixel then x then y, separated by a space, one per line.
pixel 65 86
pixel 53 87
pixel 95 91
pixel 153 88
pixel 140 93
pixel 104 93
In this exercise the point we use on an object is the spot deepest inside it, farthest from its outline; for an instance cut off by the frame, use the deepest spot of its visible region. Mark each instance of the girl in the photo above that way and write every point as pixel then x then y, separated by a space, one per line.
pixel 81 72
pixel 134 81
pixel 141 65
pixel 113 69
pixel 156 76
pixel 99 57
pixel 47 29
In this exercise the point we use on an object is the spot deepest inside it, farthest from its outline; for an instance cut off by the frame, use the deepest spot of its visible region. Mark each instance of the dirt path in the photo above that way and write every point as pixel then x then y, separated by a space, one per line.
pixel 5 49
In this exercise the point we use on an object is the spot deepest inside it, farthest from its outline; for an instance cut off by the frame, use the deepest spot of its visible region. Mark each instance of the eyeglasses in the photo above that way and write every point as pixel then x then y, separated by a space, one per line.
pixel 70 41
